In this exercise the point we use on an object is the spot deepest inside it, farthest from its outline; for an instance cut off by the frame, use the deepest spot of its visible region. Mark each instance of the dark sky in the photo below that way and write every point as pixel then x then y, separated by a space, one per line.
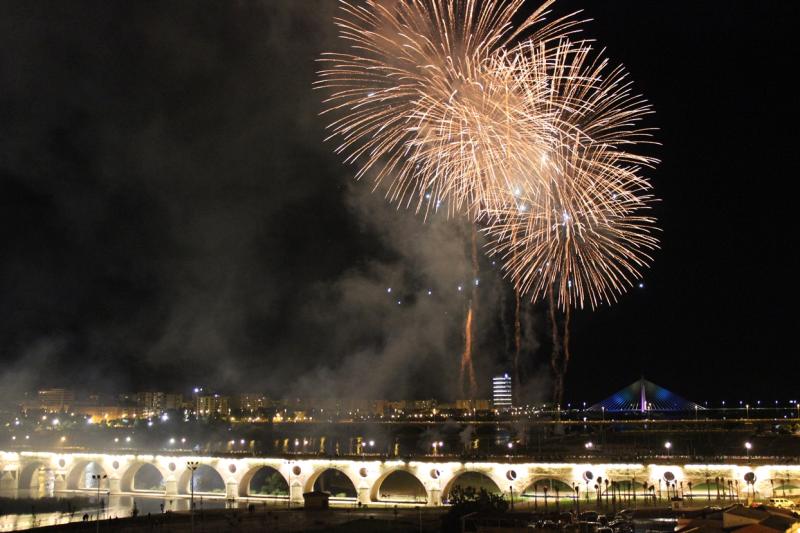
pixel 171 214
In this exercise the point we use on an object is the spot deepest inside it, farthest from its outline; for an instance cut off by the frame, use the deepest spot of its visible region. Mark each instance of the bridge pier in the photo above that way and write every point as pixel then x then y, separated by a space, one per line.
pixel 9 480
pixel 60 482
pixel 41 479
pixel 231 490
pixel 434 498
pixel 363 495
pixel 171 487
pixel 114 485
pixel 296 493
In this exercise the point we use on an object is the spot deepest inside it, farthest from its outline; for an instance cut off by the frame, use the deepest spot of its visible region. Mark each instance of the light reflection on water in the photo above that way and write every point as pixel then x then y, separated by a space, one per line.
pixel 118 506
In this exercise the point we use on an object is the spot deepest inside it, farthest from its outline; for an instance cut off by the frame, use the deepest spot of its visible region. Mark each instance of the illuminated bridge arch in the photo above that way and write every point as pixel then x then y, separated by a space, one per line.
pixel 264 481
pixel 555 488
pixel 207 480
pixel 402 486
pixel 473 478
pixel 29 475
pixel 131 478
pixel 79 474
pixel 336 478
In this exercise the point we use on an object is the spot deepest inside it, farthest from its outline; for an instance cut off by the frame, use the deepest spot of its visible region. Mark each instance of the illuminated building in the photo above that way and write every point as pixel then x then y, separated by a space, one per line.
pixel 501 392
pixel 472 405
pixel 55 400
pixel 213 405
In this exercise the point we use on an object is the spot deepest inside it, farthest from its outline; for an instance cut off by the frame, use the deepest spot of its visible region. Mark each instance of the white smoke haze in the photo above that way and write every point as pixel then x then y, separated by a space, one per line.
pixel 191 226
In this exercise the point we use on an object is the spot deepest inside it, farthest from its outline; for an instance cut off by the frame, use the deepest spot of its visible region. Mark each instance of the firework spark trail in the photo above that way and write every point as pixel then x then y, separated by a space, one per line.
pixel 517 343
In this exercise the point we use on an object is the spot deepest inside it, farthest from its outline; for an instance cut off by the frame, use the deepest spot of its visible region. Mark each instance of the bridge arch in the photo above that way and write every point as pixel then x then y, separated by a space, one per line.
pixel 324 477
pixel 207 480
pixel 407 487
pixel 264 481
pixel 78 475
pixel 473 478
pixel 29 475
pixel 150 471
pixel 554 486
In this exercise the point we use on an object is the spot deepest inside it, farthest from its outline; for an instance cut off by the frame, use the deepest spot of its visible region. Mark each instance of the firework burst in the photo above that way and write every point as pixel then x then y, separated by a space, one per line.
pixel 579 222
pixel 422 107
pixel 533 139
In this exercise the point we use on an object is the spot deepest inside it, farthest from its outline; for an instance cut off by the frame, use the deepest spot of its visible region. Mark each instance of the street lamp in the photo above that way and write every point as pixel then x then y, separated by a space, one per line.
pixel 668 446
pixel 589 445
pixel 437 446
pixel 748 446
pixel 99 478
pixel 192 466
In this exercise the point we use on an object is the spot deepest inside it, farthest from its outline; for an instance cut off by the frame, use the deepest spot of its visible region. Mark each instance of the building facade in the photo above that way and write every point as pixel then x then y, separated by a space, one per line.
pixel 501 392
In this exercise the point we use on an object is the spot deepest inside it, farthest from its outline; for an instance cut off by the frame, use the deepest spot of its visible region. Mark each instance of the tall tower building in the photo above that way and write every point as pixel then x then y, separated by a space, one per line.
pixel 501 392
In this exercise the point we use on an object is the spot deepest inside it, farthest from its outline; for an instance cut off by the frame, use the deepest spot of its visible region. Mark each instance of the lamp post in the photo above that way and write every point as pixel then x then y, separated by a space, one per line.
pixel 437 446
pixel 99 478
pixel 747 447
pixel 192 466
pixel 668 446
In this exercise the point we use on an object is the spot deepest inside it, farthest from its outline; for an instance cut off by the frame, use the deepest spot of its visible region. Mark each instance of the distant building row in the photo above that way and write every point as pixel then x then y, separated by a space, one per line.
pixel 150 404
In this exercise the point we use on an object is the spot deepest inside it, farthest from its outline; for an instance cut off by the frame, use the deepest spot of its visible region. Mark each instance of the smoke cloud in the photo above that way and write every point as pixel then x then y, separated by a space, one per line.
pixel 172 215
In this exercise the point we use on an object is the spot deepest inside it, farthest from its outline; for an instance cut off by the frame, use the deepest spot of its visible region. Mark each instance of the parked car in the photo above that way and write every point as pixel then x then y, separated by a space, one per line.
pixel 781 503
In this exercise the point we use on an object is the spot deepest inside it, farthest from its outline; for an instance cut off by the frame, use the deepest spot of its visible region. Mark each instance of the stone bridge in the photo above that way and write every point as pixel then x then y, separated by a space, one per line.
pixel 433 479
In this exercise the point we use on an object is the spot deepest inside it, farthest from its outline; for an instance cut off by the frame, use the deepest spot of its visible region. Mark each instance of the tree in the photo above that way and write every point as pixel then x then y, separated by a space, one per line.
pixel 466 501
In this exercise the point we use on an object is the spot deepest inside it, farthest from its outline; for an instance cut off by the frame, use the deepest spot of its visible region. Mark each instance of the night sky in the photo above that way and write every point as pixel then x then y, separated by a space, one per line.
pixel 171 214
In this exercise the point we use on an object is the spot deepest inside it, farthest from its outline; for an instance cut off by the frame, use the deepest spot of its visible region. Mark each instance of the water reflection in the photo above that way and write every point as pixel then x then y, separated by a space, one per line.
pixel 76 504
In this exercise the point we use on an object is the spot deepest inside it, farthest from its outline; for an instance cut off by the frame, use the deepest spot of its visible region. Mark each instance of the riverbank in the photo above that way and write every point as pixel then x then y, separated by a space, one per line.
pixel 278 521
pixel 45 504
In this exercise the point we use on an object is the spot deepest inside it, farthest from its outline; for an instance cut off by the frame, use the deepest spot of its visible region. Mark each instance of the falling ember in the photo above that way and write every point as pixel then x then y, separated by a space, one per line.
pixel 466 358
pixel 517 341
pixel 467 370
